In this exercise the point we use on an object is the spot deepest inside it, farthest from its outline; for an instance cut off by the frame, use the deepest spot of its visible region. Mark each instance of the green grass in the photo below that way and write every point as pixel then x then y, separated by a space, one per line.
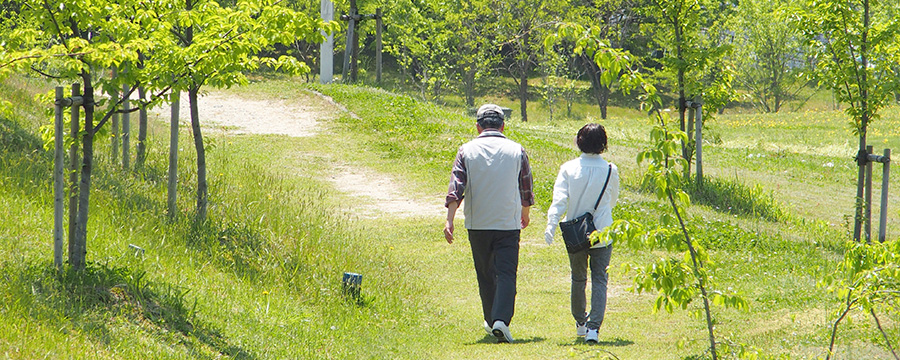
pixel 731 196
pixel 549 144
pixel 261 279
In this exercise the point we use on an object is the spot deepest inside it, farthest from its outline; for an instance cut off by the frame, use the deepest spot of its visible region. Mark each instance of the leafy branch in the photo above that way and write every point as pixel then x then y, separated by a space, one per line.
pixel 866 279
pixel 678 282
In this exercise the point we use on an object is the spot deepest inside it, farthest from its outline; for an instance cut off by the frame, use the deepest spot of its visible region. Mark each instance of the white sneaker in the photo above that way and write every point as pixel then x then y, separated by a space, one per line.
pixel 592 336
pixel 581 329
pixel 501 332
pixel 487 328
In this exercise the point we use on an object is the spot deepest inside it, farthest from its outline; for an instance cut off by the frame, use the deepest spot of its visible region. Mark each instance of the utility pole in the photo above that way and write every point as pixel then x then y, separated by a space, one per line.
pixel 326 49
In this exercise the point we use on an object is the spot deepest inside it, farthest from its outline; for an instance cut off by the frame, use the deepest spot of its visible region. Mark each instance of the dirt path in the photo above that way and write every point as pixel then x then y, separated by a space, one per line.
pixel 221 112
pixel 377 194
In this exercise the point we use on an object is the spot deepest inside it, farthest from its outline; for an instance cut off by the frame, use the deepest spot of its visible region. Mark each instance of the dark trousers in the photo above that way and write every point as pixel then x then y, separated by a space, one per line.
pixel 496 256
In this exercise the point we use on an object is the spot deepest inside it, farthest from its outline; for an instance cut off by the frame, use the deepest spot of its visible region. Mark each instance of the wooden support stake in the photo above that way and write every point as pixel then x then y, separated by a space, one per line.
pixel 348 49
pixel 354 61
pixel 114 97
pixel 141 154
pixel 74 126
pixel 699 141
pixel 690 110
pixel 173 156
pixel 886 172
pixel 58 193
pixel 868 204
pixel 861 159
pixel 378 45
pixel 126 127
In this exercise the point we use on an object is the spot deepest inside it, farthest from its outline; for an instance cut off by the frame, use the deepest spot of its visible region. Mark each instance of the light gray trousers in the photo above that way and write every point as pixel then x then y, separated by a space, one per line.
pixel 598 259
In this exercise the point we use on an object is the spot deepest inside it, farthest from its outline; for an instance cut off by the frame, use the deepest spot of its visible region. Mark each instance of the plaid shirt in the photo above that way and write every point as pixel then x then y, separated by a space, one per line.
pixel 459 177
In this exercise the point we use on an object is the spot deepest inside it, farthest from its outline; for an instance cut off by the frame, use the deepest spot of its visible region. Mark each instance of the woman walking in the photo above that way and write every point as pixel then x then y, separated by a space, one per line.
pixel 578 186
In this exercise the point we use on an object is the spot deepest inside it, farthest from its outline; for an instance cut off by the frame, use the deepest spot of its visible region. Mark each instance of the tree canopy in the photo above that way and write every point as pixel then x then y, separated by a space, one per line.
pixel 164 46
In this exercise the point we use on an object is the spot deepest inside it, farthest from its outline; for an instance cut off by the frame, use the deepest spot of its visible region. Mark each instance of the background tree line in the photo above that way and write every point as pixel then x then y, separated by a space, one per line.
pixel 745 53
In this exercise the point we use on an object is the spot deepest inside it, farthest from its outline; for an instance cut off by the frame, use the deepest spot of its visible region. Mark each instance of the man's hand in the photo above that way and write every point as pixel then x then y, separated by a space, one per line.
pixel 448 226
pixel 526 218
pixel 448 231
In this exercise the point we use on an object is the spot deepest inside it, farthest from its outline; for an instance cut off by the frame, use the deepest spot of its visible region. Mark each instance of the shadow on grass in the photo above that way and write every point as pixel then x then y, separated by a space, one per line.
pixel 26 168
pixel 583 350
pixel 93 299
pixel 490 339
pixel 732 196
pixel 617 342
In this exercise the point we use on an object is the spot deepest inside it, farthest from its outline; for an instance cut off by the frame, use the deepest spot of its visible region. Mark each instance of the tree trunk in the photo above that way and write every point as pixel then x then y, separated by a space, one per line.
pixel 523 78
pixel 698 273
pixel 601 92
pixel 78 250
pixel 469 84
pixel 603 100
pixel 523 96
pixel 142 130
pixel 776 87
pixel 202 191
pixel 682 99
pixel 864 123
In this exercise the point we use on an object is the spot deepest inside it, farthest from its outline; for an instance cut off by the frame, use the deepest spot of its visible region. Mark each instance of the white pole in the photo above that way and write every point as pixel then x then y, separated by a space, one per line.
pixel 326 49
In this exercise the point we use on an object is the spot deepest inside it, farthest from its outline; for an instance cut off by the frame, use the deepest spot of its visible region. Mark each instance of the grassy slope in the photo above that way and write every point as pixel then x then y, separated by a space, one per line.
pixel 262 280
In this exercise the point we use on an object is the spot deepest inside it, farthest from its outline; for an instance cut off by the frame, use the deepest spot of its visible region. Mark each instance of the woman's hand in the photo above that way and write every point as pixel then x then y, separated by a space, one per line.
pixel 548 233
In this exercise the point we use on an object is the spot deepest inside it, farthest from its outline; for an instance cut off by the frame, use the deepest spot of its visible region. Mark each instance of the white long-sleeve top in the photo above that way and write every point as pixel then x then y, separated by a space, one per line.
pixel 576 190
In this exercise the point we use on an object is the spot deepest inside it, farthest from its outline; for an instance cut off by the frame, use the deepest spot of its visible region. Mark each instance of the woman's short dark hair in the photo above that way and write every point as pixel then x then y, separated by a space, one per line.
pixel 591 139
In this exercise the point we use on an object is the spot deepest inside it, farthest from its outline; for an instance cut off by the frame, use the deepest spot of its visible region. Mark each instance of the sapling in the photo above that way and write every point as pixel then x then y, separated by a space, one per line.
pixel 678 281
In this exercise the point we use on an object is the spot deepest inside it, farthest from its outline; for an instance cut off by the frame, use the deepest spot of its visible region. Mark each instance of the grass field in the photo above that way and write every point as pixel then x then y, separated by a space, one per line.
pixel 261 279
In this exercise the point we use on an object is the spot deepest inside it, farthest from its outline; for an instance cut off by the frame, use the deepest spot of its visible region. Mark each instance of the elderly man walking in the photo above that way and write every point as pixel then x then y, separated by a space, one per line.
pixel 493 174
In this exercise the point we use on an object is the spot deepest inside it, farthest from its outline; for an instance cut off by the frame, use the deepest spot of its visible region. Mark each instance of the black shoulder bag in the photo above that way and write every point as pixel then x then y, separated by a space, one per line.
pixel 576 232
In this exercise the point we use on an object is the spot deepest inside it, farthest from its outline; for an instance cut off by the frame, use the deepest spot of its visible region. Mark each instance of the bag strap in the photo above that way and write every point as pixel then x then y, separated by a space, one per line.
pixel 604 187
